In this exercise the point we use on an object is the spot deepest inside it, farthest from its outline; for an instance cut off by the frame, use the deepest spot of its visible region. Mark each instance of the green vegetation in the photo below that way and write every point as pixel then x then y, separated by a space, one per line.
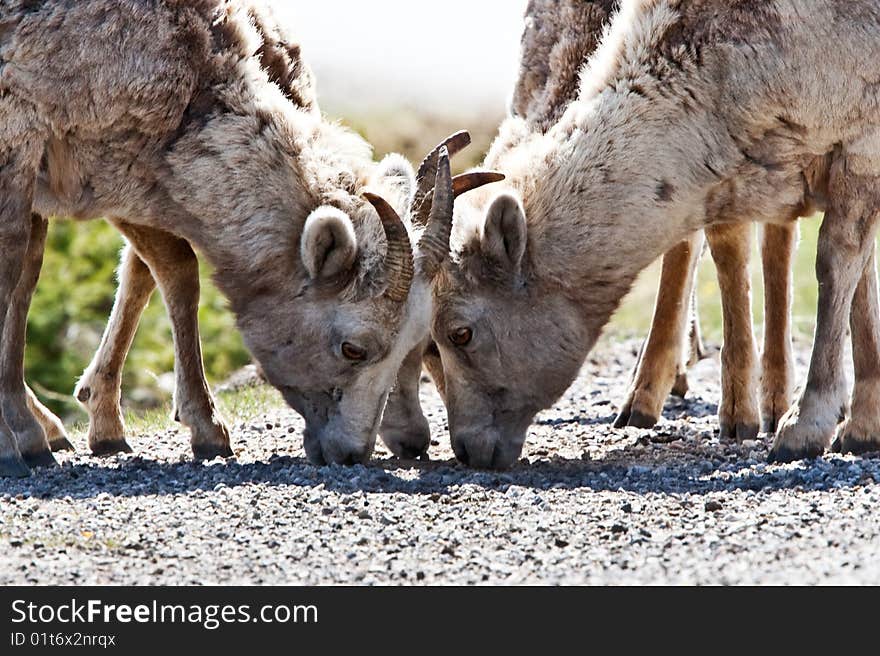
pixel 239 405
pixel 71 307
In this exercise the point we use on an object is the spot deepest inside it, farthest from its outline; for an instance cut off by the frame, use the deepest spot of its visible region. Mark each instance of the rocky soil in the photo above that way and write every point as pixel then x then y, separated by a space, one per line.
pixel 587 504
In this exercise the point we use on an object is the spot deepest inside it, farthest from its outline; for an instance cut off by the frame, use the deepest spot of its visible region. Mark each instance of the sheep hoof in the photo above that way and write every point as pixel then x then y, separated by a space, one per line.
pixel 40 459
pixel 849 441
pixel 211 451
pixel 106 448
pixel 61 444
pixel 738 431
pixel 782 454
pixel 13 468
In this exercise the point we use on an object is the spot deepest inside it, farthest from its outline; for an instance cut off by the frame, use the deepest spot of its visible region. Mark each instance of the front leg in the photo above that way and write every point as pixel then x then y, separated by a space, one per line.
pixel 846 244
pixel 663 357
pixel 20 151
pixel 175 268
pixel 404 428
pixel 17 415
pixel 860 433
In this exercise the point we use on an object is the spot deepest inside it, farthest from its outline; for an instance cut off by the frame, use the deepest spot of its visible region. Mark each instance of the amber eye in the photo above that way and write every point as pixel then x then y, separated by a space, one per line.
pixel 352 352
pixel 461 336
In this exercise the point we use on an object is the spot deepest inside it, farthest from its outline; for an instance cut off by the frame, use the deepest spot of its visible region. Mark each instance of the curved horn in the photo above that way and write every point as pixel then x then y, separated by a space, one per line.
pixel 461 184
pixel 399 258
pixel 434 244
pixel 428 168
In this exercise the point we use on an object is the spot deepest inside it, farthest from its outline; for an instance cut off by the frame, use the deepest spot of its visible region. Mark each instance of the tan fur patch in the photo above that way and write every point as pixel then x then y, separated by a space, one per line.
pixel 558 38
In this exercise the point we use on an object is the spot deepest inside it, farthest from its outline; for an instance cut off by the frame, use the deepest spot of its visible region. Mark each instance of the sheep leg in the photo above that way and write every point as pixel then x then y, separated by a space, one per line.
pixel 29 435
pixel 100 387
pixel 846 246
pixel 696 350
pixel 434 366
pixel 404 428
pixel 860 433
pixel 777 361
pixel 663 356
pixel 176 269
pixel 51 424
pixel 738 414
pixel 19 157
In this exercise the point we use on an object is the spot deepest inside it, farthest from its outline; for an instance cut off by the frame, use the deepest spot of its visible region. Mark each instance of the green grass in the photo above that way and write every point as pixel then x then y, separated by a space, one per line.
pixel 236 406
pixel 248 403
pixel 70 309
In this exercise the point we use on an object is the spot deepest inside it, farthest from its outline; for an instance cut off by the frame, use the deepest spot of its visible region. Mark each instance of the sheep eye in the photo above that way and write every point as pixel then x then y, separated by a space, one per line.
pixel 352 352
pixel 461 336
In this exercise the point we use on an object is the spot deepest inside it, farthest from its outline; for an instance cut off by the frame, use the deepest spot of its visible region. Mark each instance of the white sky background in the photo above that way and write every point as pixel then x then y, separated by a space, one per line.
pixel 449 56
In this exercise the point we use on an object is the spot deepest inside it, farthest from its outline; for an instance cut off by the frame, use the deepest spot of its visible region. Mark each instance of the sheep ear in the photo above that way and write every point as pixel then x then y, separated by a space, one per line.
pixel 504 233
pixel 328 245
pixel 395 171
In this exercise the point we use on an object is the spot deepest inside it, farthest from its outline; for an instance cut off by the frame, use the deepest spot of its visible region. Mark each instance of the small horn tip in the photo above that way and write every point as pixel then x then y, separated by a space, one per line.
pixel 462 136
pixel 465 182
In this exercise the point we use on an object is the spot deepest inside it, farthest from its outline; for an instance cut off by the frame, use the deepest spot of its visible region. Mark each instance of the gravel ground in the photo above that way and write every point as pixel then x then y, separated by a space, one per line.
pixel 588 504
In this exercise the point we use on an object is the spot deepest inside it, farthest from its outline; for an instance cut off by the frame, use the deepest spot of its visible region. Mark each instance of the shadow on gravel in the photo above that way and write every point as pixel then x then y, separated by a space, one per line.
pixel 672 410
pixel 630 469
pixel 694 407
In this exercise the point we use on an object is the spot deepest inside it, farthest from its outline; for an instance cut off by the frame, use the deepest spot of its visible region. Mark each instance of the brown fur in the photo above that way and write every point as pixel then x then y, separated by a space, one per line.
pixel 173 264
pixel 749 126
pixel 404 428
pixel 52 426
pixel 860 432
pixel 661 366
pixel 187 132
pixel 279 56
pixel 17 418
pixel 731 246
pixel 100 387
pixel 777 360
pixel 558 38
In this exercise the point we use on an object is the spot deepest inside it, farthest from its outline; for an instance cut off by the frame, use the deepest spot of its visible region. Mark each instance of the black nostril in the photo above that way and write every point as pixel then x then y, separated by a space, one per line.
pixel 350 460
pixel 461 453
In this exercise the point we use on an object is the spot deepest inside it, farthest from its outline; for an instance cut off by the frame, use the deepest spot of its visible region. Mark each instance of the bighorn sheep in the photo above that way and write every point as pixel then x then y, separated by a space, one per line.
pixel 99 389
pixel 184 135
pixel 689 114
pixel 557 40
